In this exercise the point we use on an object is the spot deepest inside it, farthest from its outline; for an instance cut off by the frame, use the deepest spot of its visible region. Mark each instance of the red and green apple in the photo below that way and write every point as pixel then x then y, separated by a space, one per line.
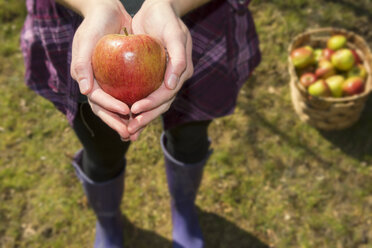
pixel 353 86
pixel 336 42
pixel 129 67
pixel 343 59
pixel 319 89
pixel 302 57
pixel 335 84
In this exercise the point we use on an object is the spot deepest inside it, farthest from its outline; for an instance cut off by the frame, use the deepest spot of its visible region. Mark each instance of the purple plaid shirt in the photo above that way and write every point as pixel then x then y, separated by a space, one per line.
pixel 225 52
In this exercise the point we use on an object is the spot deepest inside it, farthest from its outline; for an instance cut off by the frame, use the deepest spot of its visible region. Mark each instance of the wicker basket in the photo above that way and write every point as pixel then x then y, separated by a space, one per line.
pixel 329 113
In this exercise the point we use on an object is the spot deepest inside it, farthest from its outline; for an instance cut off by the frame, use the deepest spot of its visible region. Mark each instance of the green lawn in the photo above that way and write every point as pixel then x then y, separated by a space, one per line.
pixel 272 181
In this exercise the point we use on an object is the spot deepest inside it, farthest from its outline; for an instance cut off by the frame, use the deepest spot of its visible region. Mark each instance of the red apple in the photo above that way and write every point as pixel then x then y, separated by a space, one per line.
pixel 319 88
pixel 129 67
pixel 356 57
pixel 335 84
pixel 358 70
pixel 336 42
pixel 307 79
pixel 353 86
pixel 343 59
pixel 302 57
pixel 325 69
pixel 327 53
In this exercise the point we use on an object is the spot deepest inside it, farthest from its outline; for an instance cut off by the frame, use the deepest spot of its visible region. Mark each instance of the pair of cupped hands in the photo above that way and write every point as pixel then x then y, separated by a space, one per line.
pixel 156 18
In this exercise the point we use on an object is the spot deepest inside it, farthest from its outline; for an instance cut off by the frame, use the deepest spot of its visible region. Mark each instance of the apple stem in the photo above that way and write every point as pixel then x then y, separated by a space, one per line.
pixel 125 31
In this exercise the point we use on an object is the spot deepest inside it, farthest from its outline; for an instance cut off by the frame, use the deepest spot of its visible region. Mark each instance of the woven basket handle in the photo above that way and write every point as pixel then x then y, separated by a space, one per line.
pixel 326 30
pixel 351 37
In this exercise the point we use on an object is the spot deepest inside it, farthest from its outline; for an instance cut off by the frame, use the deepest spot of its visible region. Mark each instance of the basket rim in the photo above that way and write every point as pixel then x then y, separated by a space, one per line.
pixel 331 30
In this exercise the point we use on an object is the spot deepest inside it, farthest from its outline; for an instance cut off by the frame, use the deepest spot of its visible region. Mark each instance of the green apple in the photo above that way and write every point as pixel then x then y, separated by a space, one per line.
pixel 318 54
pixel 335 84
pixel 310 48
pixel 343 59
pixel 302 57
pixel 358 70
pixel 319 88
pixel 336 42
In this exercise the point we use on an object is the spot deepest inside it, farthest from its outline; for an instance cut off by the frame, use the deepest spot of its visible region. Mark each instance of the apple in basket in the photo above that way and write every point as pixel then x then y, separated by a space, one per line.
pixel 307 79
pixel 325 69
pixel 335 84
pixel 356 56
pixel 318 54
pixel 336 42
pixel 353 86
pixel 319 89
pixel 327 53
pixel 343 59
pixel 358 70
pixel 302 57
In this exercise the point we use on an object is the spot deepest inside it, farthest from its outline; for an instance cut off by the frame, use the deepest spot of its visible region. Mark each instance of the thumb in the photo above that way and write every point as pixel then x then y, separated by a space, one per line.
pixel 81 68
pixel 180 66
pixel 177 61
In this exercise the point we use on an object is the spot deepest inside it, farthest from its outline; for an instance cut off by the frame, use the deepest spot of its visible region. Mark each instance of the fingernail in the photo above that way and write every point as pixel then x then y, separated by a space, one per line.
pixel 172 81
pixel 133 110
pixel 132 128
pixel 125 139
pixel 84 85
pixel 134 125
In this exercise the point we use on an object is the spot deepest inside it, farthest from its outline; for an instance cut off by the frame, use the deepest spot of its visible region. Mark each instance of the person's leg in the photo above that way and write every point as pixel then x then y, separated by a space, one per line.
pixel 104 151
pixel 100 166
pixel 189 142
pixel 186 151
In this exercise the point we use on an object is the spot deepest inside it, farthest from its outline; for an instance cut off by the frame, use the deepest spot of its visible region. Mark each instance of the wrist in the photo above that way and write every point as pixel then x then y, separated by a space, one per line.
pixel 95 7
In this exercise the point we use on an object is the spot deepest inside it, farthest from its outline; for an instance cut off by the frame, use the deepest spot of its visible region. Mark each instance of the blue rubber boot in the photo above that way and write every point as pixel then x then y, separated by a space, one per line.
pixel 183 183
pixel 105 199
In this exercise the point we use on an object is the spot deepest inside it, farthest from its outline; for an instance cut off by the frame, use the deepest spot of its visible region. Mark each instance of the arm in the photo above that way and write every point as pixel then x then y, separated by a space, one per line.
pixel 182 7
pixel 161 19
pixel 100 17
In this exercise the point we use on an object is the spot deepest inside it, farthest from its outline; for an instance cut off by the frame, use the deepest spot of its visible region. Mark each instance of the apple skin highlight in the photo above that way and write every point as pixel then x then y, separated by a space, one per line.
pixel 129 67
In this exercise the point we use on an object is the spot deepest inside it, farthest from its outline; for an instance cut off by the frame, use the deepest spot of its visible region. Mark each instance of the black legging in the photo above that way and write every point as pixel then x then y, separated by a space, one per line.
pixel 104 151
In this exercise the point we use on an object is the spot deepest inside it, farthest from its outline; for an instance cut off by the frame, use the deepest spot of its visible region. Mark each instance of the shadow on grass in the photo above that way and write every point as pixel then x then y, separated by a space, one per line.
pixel 355 141
pixel 140 238
pixel 218 232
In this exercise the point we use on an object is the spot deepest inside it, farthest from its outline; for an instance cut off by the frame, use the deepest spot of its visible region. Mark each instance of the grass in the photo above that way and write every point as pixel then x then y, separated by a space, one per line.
pixel 272 181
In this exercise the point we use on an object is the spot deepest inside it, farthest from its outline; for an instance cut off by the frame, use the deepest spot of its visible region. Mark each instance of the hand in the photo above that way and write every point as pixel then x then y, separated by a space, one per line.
pixel 159 19
pixel 99 19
